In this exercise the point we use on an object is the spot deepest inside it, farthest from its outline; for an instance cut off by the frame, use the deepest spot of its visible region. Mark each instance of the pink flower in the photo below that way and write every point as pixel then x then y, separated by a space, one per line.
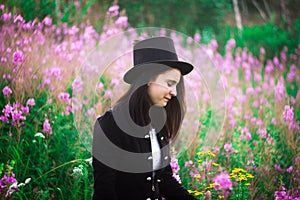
pixel 175 169
pixel 188 163
pixel 6 91
pixel 6 16
pixel 298 159
pixel 8 184
pixel 77 85
pixel 292 74
pixel 290 169
pixel 47 21
pixel 64 96
pixel 55 72
pixel 69 110
pixel 113 11
pixel 4 119
pixel 99 86
pixel 269 67
pixel 214 44
pixel 77 4
pixel 107 94
pixel 250 91
pixel 228 147
pixel 189 40
pixel 30 102
pixel 288 115
pixel 276 61
pixel 114 82
pixel 197 37
pixel 46 127
pixel 7 110
pixel 274 122
pixel 25 109
pixel 3 59
pixel 18 18
pixel 18 57
pixel 49 101
pixel 262 132
pixel 223 182
pixel 113 8
pixel 277 167
pixel 230 44
pixel 255 104
pixel 279 91
pixel 262 51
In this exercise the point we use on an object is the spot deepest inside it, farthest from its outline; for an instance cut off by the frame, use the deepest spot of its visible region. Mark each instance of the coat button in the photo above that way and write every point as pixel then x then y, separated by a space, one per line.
pixel 162 138
pixel 158 180
pixel 147 136
pixel 148 199
pixel 150 158
pixel 149 178
pixel 166 157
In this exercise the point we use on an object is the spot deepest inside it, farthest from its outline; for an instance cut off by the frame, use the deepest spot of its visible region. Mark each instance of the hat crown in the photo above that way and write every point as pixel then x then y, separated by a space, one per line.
pixel 155 53
pixel 153 50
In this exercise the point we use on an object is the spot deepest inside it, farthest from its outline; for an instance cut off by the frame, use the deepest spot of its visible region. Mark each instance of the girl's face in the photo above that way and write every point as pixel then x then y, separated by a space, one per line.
pixel 163 87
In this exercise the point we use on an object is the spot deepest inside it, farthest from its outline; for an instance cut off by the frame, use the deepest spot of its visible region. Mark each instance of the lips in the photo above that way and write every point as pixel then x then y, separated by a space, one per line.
pixel 166 99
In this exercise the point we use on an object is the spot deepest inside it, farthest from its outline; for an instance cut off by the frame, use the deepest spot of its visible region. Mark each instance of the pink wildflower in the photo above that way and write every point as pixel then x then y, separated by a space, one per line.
pixel 46 127
pixel 30 102
pixel 6 91
pixel 223 181
pixel 290 169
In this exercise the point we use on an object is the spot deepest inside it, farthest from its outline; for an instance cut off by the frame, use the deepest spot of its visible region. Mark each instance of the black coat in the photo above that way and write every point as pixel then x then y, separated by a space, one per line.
pixel 112 182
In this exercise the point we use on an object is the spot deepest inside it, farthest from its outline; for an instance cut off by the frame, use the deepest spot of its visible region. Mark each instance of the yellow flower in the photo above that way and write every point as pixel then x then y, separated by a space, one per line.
pixel 250 176
pixel 215 164
pixel 190 191
pixel 206 153
pixel 212 185
pixel 237 170
pixel 242 178
pixel 211 154
pixel 199 161
pixel 221 196
pixel 247 184
pixel 197 176
pixel 197 193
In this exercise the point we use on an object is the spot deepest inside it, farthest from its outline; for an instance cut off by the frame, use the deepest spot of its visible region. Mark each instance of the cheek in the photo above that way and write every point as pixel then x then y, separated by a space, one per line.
pixel 156 91
pixel 152 91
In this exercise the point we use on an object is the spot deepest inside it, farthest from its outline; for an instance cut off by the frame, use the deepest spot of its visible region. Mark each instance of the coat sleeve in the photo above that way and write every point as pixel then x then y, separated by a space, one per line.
pixel 104 181
pixel 104 176
pixel 171 189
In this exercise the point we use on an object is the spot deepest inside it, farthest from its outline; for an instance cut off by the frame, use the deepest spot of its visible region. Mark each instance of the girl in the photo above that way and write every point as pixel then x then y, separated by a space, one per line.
pixel 131 156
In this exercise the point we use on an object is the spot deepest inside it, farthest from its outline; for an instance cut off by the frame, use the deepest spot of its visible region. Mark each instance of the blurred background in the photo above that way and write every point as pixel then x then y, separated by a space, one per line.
pixel 272 24
pixel 49 88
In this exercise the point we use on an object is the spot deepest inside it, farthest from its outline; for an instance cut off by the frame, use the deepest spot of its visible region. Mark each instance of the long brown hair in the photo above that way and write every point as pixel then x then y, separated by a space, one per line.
pixel 138 101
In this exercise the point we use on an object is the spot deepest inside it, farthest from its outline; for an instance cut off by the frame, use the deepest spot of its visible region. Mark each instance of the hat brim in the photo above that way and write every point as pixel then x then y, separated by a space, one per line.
pixel 131 74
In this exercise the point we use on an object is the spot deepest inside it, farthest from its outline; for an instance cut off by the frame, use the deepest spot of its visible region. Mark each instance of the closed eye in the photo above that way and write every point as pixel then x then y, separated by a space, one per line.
pixel 171 83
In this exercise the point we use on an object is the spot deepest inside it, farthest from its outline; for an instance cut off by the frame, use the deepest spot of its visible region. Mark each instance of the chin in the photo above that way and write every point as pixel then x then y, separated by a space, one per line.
pixel 161 104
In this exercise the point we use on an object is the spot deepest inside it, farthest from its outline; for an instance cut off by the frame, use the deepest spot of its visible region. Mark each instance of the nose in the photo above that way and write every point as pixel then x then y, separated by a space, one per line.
pixel 173 92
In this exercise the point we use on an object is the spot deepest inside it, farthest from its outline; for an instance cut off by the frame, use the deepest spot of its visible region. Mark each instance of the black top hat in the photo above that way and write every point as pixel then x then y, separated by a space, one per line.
pixel 155 50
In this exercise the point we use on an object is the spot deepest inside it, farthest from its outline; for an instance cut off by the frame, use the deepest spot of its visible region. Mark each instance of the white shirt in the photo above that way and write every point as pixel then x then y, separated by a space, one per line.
pixel 155 148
